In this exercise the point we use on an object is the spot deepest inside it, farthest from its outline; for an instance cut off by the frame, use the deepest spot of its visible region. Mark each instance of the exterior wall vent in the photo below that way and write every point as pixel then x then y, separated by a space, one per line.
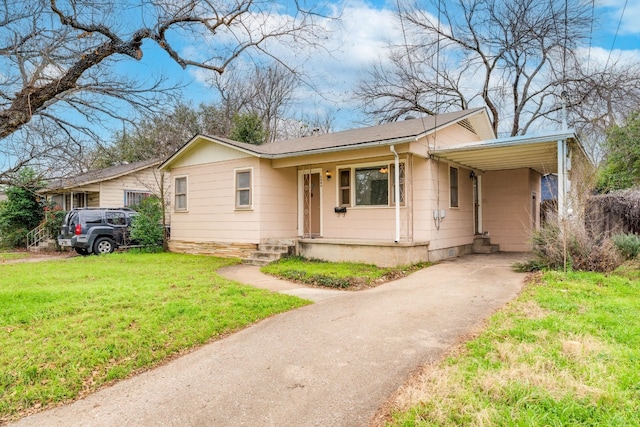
pixel 467 125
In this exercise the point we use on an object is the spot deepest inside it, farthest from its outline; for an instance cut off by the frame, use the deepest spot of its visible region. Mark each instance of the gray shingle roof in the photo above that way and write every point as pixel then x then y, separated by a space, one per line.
pixel 384 134
pixel 100 175
pixel 353 137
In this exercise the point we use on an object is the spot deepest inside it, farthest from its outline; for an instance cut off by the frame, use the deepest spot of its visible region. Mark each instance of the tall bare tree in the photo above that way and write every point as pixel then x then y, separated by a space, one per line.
pixel 265 90
pixel 60 59
pixel 516 57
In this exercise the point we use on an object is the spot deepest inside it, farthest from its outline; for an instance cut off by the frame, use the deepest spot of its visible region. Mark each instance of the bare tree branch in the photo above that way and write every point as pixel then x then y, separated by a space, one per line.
pixel 515 57
pixel 59 58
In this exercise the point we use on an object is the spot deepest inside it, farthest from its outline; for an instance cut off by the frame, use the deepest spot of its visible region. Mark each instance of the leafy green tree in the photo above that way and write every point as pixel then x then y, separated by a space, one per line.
pixel 621 167
pixel 146 227
pixel 248 127
pixel 22 211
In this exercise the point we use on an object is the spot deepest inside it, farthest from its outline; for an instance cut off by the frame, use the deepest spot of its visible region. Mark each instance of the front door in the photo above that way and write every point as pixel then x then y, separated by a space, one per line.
pixel 311 204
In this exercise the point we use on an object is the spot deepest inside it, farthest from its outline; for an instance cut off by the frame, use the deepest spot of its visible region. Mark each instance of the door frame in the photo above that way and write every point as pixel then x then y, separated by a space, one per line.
pixel 301 175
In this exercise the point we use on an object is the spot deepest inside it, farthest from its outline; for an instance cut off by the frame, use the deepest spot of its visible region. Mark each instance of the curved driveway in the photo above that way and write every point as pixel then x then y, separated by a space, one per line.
pixel 333 363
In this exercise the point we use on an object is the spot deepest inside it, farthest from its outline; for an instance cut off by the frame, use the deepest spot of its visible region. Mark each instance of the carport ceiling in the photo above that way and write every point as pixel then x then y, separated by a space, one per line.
pixel 496 155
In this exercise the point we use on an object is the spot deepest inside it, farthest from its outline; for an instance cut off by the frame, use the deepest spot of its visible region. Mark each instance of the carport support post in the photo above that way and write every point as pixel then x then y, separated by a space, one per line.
pixel 562 194
pixel 396 190
pixel 562 178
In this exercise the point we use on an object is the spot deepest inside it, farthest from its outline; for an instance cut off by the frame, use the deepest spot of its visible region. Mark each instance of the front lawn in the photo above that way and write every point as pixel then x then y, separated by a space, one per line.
pixel 565 353
pixel 68 327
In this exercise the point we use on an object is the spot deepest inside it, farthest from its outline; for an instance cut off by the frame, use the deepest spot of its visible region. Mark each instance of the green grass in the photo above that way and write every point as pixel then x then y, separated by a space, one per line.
pixel 341 275
pixel 566 352
pixel 68 327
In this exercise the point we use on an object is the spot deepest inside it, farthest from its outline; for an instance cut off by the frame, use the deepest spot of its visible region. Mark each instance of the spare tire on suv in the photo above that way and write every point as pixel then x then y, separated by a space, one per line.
pixel 97 230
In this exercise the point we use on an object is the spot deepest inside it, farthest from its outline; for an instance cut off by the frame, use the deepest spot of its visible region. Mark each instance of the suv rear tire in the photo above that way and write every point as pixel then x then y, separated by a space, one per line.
pixel 81 251
pixel 103 245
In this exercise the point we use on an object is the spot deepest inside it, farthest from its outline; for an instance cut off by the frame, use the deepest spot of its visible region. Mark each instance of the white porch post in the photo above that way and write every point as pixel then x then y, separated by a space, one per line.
pixel 396 190
pixel 562 178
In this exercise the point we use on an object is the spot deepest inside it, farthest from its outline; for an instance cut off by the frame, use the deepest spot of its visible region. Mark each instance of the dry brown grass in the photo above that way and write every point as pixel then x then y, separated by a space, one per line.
pixel 441 386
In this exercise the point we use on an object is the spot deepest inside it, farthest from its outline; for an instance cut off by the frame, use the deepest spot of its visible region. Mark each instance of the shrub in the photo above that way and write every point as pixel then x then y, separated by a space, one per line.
pixel 627 244
pixel 558 245
pixel 146 227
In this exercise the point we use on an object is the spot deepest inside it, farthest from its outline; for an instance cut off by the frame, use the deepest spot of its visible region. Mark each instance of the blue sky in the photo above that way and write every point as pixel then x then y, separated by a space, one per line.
pixel 358 41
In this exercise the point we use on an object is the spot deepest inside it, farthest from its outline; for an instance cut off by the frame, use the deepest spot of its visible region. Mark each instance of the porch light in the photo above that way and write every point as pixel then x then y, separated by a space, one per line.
pixel 384 169
pixel 328 175
pixel 472 175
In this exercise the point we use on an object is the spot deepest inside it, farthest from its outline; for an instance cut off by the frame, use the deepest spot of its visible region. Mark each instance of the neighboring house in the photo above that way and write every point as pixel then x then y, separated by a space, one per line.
pixel 393 194
pixel 3 196
pixel 117 186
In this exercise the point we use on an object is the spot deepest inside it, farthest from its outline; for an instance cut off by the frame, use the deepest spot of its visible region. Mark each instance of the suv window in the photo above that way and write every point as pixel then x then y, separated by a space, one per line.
pixel 92 217
pixel 115 218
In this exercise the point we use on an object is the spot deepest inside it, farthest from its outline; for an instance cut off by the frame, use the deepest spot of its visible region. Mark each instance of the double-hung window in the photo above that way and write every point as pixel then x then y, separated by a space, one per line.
pixel 243 189
pixel 453 187
pixel 392 182
pixel 180 185
pixel 345 187
pixel 133 198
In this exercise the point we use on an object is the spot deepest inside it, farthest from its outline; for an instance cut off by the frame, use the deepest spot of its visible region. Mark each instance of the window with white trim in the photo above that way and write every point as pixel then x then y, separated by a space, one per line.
pixel 345 187
pixel 180 194
pixel 134 197
pixel 453 187
pixel 371 185
pixel 243 189
pixel 392 174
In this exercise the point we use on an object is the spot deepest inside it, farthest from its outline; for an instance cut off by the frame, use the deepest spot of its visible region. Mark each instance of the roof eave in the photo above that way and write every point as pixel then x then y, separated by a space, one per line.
pixel 509 142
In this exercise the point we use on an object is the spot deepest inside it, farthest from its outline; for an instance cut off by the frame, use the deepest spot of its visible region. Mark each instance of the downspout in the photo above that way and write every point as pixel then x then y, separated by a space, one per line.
pixel 396 189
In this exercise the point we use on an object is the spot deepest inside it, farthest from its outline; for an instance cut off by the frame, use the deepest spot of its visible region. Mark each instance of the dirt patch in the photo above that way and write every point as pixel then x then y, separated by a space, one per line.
pixel 25 256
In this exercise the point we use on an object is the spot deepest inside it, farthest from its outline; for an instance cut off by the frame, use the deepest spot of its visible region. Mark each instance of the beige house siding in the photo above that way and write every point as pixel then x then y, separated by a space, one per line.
pixel 456 229
pixel 275 191
pixel 112 191
pixel 212 216
pixel 506 199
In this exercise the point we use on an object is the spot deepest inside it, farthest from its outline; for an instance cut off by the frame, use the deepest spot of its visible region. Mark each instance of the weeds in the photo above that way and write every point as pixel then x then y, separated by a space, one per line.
pixel 627 244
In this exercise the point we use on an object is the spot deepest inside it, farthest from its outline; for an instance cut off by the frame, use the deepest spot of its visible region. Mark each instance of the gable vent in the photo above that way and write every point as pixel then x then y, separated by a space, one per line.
pixel 465 123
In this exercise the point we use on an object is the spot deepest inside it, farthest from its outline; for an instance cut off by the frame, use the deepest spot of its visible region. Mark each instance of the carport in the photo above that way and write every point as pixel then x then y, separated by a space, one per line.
pixel 515 165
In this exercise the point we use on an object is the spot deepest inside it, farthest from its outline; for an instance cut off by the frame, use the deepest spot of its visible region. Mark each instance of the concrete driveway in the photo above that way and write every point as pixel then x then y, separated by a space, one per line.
pixel 333 363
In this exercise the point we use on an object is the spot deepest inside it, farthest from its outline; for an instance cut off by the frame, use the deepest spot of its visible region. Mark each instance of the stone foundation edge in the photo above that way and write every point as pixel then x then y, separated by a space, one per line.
pixel 220 249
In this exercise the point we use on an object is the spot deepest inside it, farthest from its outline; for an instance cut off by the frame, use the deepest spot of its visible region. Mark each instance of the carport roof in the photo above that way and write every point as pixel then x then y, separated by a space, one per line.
pixel 538 152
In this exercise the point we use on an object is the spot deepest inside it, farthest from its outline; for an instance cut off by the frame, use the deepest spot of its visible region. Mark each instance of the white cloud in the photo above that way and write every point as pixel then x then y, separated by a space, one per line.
pixel 623 12
pixel 358 40
pixel 355 39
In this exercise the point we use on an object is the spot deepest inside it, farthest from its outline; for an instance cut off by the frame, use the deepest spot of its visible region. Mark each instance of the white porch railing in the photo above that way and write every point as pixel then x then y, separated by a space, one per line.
pixel 37 236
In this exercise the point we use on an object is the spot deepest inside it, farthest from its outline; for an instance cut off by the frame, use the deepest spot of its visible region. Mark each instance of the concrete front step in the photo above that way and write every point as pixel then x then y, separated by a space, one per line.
pixel 483 245
pixel 270 252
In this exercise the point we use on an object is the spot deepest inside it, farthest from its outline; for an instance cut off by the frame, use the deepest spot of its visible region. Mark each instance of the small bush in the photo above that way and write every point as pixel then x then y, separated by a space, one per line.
pixel 146 227
pixel 559 245
pixel 627 244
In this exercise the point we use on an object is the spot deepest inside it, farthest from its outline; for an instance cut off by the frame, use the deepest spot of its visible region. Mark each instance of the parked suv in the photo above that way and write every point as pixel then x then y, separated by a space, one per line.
pixel 96 230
